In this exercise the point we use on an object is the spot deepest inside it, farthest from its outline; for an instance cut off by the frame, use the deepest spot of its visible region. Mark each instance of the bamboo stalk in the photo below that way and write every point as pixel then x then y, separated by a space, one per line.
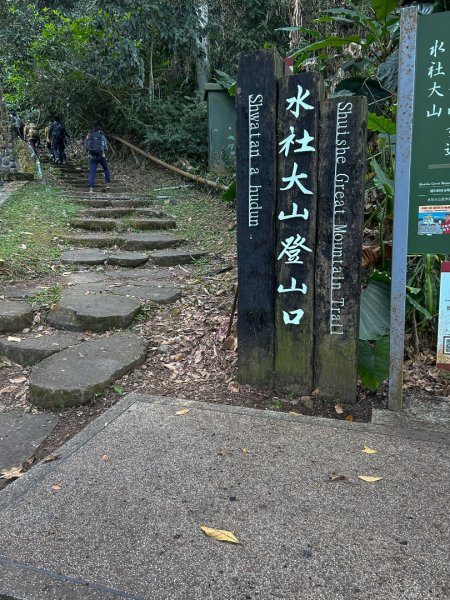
pixel 161 163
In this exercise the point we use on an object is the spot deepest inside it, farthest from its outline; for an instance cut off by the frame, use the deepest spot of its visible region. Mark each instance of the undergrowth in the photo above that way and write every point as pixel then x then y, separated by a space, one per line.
pixel 30 222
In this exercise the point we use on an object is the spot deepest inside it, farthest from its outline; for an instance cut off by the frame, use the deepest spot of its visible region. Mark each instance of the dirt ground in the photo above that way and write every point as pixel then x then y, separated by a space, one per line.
pixel 192 346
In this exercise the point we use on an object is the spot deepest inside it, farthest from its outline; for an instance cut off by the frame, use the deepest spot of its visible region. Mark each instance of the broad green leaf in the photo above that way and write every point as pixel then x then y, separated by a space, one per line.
pixel 230 194
pixel 375 312
pixel 373 362
pixel 376 95
pixel 383 8
pixel 329 42
pixel 387 72
pixel 382 181
pixel 381 124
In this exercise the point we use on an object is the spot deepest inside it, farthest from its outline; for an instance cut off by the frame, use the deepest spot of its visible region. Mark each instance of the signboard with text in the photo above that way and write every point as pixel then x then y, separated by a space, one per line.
pixel 443 341
pixel 429 206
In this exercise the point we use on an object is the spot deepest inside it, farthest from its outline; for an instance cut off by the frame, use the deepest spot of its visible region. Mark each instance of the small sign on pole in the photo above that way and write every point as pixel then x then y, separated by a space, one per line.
pixel 443 341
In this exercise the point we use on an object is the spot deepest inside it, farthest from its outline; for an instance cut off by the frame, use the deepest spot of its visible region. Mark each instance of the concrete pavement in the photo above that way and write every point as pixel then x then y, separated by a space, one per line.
pixel 119 514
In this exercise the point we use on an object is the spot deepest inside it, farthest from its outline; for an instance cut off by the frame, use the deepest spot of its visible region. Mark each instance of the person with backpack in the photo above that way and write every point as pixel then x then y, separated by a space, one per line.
pixel 96 145
pixel 59 135
pixel 32 137
pixel 18 124
pixel 48 139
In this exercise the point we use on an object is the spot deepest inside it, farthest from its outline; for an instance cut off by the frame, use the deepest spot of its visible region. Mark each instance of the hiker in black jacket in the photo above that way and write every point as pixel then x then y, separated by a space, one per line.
pixel 58 135
pixel 96 145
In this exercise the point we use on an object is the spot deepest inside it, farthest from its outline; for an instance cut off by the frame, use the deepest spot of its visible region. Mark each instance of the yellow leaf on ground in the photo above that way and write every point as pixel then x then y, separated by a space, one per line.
pixel 183 411
pixel 245 450
pixel 12 473
pixel 293 413
pixel 349 418
pixel 370 478
pixel 51 458
pixel 56 487
pixel 220 535
pixel 368 450
pixel 338 408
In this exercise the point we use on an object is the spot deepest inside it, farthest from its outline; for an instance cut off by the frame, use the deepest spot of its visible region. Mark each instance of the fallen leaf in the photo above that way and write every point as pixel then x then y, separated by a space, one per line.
pixel 338 408
pixel 183 411
pixel 335 477
pixel 12 338
pixel 8 389
pixel 293 413
pixel 220 535
pixel 369 478
pixel 12 473
pixel 20 379
pixel 51 458
pixel 245 450
pixel 56 487
pixel 349 418
pixel 368 450
pixel 105 457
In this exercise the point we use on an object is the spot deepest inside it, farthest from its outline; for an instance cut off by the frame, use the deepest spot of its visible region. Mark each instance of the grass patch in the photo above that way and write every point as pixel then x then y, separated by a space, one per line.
pixel 204 220
pixel 30 222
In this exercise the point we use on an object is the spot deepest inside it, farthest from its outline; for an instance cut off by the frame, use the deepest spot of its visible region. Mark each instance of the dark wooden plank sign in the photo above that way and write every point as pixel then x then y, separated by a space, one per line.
pixel 256 104
pixel 298 126
pixel 342 140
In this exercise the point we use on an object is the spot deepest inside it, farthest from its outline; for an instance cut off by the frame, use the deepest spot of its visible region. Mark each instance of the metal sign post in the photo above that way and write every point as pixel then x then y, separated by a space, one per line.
pixel 407 68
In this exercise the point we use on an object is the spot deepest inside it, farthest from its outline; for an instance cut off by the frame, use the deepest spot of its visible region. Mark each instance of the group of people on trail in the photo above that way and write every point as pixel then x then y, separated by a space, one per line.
pixel 56 136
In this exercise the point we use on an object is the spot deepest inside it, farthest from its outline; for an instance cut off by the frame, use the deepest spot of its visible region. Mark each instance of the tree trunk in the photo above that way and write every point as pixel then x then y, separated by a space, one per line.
pixel 202 59
pixel 296 20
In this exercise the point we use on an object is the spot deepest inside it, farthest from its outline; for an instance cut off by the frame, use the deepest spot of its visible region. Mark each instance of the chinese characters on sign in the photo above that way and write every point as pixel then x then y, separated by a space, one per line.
pixel 430 152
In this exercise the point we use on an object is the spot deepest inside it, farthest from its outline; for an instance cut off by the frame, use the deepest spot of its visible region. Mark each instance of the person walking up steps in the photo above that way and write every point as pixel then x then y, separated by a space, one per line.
pixel 96 146
pixel 59 135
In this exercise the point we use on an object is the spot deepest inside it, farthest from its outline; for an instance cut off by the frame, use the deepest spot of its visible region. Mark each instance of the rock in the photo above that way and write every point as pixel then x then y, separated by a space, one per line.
pixel 169 258
pixel 77 311
pixel 127 259
pixel 84 257
pixel 142 223
pixel 92 240
pixel 21 434
pixel 31 349
pixel 73 377
pixel 150 241
pixel 14 316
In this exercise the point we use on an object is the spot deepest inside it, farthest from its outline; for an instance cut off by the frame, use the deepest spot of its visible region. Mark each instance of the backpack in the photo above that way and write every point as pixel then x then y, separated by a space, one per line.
pixel 33 133
pixel 96 143
pixel 58 131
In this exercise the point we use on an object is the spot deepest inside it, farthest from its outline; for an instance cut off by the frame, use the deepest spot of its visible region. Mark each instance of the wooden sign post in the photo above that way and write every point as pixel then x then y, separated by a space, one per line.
pixel 256 104
pixel 298 150
pixel 343 132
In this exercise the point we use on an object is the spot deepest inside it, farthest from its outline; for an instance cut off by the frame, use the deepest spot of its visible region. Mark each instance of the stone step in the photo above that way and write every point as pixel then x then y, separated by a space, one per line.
pixel 170 258
pixel 74 376
pixel 105 224
pixel 161 292
pixel 105 202
pixel 14 316
pixel 33 348
pixel 131 241
pixel 124 211
pixel 98 257
pixel 80 311
pixel 112 195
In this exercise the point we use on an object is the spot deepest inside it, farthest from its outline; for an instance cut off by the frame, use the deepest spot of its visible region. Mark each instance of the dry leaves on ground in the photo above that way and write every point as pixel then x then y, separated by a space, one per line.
pixel 221 535
pixel 12 473
pixel 370 478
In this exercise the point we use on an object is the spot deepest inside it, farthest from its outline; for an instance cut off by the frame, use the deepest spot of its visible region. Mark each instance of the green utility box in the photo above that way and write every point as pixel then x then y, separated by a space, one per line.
pixel 221 128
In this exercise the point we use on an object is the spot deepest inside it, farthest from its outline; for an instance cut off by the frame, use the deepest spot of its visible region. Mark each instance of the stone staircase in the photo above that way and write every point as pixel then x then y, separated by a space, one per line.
pixel 133 241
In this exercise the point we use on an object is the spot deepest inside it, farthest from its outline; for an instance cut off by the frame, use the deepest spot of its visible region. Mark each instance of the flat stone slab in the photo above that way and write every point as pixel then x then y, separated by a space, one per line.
pixel 169 258
pixel 309 528
pixel 92 240
pixel 128 203
pixel 124 211
pixel 84 257
pixel 14 316
pixel 144 223
pixel 20 436
pixel 14 292
pixel 33 348
pixel 101 224
pixel 127 259
pixel 155 291
pixel 150 241
pixel 148 275
pixel 80 311
pixel 73 377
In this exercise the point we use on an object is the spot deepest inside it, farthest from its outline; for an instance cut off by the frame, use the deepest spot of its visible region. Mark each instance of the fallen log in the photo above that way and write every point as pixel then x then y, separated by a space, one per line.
pixel 161 163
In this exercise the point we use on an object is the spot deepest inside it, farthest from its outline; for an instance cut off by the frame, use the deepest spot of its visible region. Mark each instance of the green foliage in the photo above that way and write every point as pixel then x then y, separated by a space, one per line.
pixel 375 308
pixel 373 362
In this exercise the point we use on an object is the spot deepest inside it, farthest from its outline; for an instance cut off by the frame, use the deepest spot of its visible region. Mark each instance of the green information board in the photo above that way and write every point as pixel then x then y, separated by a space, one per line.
pixel 429 205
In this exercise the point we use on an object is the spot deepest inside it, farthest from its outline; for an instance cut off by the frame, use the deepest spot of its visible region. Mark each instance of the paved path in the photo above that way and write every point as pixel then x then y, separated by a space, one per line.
pixel 119 514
